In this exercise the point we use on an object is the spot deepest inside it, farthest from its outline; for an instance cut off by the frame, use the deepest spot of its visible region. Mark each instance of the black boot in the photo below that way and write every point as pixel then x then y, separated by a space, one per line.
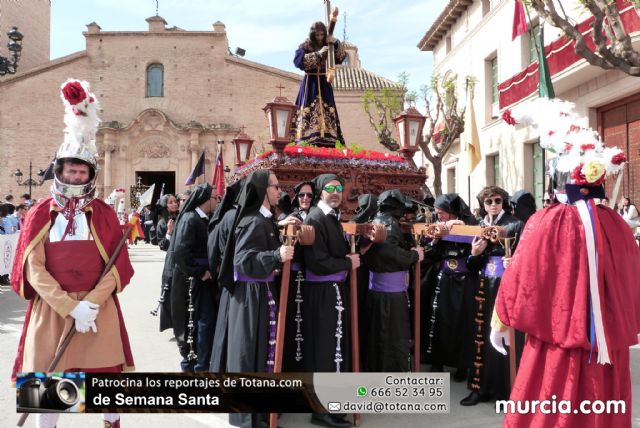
pixel 327 420
pixel 474 398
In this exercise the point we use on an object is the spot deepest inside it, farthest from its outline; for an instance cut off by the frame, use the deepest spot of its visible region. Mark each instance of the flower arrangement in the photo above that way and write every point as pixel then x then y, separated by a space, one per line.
pixel 580 150
pixel 294 151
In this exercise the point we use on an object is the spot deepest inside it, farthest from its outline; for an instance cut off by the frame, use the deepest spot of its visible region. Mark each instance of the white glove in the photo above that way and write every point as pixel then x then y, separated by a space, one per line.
pixel 497 337
pixel 85 312
pixel 85 327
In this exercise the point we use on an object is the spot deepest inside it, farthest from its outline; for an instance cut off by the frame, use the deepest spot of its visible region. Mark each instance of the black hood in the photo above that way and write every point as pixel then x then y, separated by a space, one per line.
pixel 295 203
pixel 394 203
pixel 320 181
pixel 248 202
pixel 199 195
pixel 452 203
pixel 523 204
pixel 367 208
pixel 229 198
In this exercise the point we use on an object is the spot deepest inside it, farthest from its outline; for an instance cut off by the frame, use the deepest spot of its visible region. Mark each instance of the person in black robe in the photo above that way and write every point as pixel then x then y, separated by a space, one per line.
pixel 166 317
pixel 220 228
pixel 387 308
pixel 303 199
pixel 327 264
pixel 252 258
pixel 192 276
pixel 168 206
pixel 451 337
pixel 523 205
pixel 292 358
pixel 364 213
pixel 490 374
pixel 283 208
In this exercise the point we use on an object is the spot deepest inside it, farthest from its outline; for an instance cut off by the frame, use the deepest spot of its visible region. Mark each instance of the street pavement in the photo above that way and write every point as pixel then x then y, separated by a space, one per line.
pixel 156 352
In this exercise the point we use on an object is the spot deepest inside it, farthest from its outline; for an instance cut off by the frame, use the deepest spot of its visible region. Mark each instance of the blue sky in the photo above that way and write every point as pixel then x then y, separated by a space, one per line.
pixel 385 32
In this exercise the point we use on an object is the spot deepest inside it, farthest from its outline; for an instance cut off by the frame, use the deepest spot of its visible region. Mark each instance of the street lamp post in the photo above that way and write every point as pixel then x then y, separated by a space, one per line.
pixel 10 65
pixel 30 181
pixel 242 144
pixel 279 114
pixel 410 123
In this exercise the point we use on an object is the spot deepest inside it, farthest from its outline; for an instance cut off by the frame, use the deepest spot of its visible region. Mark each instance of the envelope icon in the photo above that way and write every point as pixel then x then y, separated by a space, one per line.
pixel 334 406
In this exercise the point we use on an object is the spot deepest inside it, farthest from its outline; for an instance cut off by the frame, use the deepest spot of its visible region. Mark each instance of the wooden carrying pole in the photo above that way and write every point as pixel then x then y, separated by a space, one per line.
pixel 292 234
pixel 351 230
pixel 418 231
pixel 69 336
pixel 377 233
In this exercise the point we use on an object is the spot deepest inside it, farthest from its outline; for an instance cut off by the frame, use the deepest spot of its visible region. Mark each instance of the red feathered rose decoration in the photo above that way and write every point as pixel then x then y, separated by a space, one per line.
pixel 619 159
pixel 506 116
pixel 74 93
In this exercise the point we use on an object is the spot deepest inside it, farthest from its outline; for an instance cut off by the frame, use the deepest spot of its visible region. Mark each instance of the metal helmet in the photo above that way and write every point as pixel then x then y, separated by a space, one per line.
pixel 81 120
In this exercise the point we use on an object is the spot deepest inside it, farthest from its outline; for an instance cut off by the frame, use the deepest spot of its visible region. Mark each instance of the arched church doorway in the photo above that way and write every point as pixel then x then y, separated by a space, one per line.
pixel 160 178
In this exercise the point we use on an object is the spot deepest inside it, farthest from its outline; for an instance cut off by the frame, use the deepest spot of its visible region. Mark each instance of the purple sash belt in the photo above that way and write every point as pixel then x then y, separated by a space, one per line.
pixel 494 267
pixel 388 282
pixel 458 238
pixel 334 277
pixel 454 265
pixel 240 277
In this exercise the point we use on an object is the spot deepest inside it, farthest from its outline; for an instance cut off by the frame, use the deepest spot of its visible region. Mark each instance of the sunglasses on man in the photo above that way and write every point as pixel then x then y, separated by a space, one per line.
pixel 305 194
pixel 496 201
pixel 331 188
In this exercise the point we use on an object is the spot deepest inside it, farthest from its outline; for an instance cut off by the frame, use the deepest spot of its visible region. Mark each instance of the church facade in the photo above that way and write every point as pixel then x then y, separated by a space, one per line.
pixel 166 95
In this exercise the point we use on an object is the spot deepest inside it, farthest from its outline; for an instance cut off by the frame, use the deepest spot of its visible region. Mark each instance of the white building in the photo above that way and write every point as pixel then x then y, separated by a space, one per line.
pixel 473 37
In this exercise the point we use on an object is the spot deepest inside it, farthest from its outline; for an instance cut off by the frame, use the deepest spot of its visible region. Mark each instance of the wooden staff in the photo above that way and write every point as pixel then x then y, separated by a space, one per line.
pixel 377 233
pixel 292 234
pixel 418 231
pixel 332 18
pixel 69 336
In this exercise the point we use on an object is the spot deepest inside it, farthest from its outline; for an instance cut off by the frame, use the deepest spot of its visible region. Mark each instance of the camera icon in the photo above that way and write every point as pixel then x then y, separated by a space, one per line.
pixel 53 393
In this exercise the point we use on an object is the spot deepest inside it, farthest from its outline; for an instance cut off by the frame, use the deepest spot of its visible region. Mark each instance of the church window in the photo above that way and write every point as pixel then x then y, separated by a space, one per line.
pixel 155 80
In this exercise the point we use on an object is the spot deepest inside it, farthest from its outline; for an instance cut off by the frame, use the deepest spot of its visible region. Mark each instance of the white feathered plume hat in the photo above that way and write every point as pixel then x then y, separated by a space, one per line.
pixel 581 152
pixel 81 120
pixel 115 196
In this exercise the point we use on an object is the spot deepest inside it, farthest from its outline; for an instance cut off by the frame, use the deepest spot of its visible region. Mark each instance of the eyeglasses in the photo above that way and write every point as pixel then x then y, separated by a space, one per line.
pixel 497 201
pixel 277 186
pixel 305 194
pixel 331 188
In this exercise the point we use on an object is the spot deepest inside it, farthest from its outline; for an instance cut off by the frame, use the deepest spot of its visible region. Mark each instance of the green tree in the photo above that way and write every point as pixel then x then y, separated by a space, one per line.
pixel 382 106
pixel 445 122
pixel 441 101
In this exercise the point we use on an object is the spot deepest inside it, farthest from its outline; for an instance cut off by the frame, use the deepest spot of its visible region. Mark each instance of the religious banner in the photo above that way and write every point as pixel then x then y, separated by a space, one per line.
pixel 8 245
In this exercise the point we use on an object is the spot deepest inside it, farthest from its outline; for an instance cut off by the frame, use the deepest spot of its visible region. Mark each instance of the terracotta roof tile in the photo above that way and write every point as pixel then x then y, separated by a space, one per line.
pixel 355 78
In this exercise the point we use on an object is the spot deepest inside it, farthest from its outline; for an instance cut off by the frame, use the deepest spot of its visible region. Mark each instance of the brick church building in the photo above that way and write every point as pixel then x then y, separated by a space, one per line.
pixel 166 95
